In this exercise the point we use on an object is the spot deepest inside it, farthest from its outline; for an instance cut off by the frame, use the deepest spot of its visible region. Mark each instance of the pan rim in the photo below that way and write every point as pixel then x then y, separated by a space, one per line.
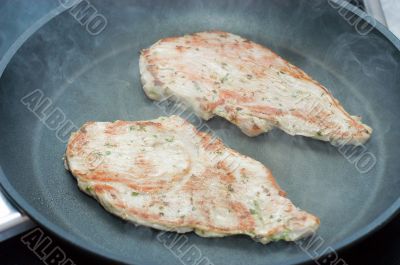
pixel 363 232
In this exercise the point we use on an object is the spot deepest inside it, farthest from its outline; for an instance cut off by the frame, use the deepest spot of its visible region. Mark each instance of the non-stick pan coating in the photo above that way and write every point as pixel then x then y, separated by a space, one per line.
pixel 96 78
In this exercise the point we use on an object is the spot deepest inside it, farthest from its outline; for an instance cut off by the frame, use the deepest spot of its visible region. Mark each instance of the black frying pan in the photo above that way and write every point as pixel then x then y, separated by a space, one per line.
pixel 96 77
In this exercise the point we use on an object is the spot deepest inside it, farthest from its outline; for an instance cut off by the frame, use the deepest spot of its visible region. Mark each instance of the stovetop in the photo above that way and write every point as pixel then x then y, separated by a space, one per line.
pixel 16 16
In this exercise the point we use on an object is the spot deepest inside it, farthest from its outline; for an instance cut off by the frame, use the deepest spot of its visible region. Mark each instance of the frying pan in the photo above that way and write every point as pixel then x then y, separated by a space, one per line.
pixel 96 77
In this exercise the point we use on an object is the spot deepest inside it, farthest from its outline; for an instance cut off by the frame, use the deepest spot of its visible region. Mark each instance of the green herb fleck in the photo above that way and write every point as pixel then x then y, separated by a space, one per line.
pixel 196 85
pixel 88 188
pixel 258 210
pixel 170 139
pixel 319 133
pixel 200 231
pixel 137 128
pixel 230 188
pixel 252 211
pixel 134 193
pixel 224 79
pixel 108 152
pixel 193 208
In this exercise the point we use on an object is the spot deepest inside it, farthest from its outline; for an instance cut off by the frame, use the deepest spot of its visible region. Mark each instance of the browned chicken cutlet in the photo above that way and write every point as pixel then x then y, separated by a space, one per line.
pixel 165 174
pixel 219 73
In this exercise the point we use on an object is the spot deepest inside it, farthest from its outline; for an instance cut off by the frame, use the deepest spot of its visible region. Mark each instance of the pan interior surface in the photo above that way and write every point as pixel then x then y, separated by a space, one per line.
pixel 96 77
